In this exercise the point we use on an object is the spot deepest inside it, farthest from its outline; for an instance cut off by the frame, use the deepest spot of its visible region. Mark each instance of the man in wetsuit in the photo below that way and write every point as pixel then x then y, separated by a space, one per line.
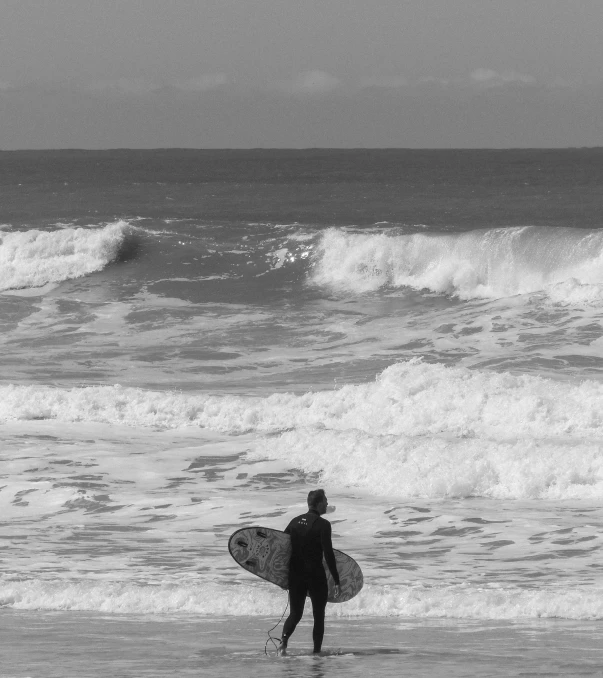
pixel 310 540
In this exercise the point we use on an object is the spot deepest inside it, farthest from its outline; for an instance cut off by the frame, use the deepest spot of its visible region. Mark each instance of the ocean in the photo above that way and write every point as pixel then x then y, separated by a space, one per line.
pixel 192 340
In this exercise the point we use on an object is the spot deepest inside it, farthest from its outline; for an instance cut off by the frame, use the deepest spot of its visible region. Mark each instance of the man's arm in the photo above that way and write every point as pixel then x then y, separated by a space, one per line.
pixel 327 549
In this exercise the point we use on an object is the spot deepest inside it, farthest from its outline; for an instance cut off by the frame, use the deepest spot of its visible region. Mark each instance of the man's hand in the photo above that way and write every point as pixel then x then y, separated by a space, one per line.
pixel 337 591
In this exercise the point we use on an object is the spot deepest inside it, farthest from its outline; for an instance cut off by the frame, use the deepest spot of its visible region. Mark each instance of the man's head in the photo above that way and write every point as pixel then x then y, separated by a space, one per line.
pixel 317 500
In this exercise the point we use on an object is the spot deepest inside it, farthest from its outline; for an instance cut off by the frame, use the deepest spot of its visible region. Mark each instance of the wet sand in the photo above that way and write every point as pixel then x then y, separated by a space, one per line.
pixel 82 645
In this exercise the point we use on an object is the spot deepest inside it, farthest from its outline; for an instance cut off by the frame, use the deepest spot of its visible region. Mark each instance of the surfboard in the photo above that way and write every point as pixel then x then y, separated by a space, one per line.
pixel 266 553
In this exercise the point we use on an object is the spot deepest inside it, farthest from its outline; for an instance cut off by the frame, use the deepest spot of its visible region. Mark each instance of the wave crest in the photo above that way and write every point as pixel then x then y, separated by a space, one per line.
pixel 485 264
pixel 409 398
pixel 30 259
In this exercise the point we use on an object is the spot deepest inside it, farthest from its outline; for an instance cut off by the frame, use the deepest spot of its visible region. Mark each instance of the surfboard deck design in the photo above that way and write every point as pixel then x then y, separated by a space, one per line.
pixel 266 553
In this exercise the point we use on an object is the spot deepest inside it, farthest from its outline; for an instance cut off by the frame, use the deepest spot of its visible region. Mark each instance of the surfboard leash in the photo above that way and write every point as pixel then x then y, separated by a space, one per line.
pixel 270 637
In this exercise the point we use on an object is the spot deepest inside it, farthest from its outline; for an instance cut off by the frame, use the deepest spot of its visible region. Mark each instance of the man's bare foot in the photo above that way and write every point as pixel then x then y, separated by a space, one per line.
pixel 281 650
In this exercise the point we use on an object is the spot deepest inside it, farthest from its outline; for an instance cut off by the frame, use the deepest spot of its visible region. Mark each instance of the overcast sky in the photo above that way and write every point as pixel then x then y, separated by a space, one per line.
pixel 299 73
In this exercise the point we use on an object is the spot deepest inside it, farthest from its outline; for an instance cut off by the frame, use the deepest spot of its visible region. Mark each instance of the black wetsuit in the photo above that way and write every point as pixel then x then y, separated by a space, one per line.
pixel 310 539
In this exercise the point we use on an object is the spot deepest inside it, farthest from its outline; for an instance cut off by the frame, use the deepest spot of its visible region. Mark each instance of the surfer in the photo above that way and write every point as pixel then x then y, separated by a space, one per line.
pixel 310 540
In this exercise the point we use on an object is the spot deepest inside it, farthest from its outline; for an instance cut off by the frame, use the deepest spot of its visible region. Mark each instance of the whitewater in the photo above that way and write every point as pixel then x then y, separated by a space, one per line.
pixel 167 381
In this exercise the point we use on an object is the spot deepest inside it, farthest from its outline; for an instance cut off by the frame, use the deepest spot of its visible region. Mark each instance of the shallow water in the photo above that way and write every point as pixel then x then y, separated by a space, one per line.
pixel 102 519
pixel 70 645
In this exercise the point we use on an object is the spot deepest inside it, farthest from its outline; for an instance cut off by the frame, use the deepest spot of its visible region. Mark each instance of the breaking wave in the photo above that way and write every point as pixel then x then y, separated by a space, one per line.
pixel 410 398
pixel 486 264
pixel 215 599
pixel 30 259
pixel 418 430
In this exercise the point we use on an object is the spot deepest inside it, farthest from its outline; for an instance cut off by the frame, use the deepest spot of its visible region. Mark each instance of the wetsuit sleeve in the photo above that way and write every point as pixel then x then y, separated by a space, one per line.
pixel 327 549
pixel 288 529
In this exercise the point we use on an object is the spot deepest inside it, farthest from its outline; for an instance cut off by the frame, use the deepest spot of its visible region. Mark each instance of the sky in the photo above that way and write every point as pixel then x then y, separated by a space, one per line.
pixel 301 73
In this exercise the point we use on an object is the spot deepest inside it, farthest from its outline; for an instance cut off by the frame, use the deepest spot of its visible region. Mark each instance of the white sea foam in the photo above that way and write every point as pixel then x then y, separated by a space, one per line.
pixel 572 292
pixel 491 263
pixel 210 598
pixel 433 467
pixel 36 258
pixel 410 398
pixel 419 430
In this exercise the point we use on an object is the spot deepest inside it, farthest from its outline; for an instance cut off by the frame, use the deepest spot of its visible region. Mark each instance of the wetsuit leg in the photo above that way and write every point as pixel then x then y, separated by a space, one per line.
pixel 319 592
pixel 297 599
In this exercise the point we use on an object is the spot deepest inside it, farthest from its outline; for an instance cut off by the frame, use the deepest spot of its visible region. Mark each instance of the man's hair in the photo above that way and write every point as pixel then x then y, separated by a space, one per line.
pixel 315 497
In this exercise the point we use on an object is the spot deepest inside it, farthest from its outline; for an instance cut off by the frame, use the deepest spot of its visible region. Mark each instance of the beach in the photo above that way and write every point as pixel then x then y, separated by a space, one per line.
pixel 57 644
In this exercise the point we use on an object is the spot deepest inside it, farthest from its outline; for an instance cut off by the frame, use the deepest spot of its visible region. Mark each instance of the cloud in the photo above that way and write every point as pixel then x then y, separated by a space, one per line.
pixel 565 83
pixel 202 83
pixel 486 77
pixel 137 86
pixel 314 82
pixel 384 81
pixel 145 86
pixel 432 80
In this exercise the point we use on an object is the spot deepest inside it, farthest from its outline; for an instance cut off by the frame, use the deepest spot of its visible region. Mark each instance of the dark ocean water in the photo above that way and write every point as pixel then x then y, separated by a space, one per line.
pixel 443 189
pixel 190 340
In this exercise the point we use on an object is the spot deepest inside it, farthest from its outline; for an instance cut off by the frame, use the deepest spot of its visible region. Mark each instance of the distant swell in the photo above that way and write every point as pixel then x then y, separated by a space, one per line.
pixel 215 599
pixel 34 258
pixel 485 264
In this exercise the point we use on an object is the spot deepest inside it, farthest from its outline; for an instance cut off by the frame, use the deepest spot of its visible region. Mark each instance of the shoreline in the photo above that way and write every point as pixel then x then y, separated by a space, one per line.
pixel 70 644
